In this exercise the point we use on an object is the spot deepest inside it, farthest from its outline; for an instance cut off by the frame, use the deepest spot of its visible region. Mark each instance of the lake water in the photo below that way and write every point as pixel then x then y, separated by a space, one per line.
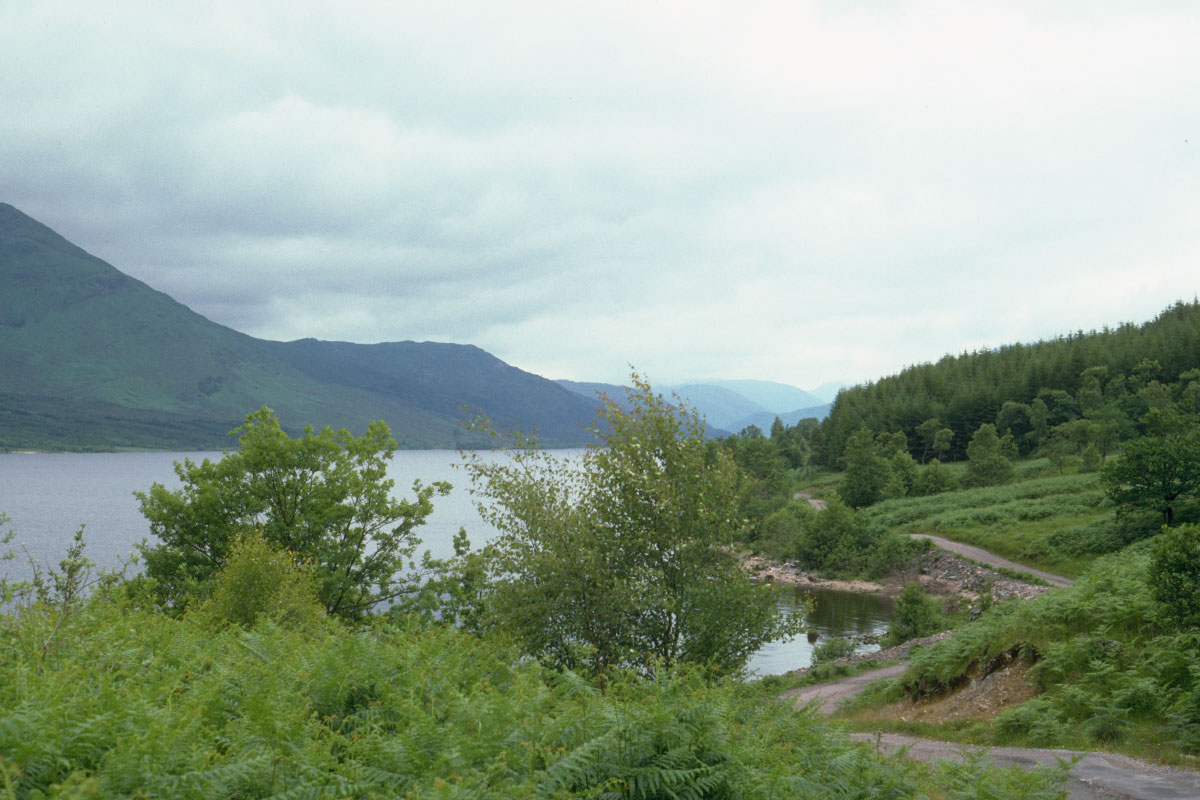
pixel 48 496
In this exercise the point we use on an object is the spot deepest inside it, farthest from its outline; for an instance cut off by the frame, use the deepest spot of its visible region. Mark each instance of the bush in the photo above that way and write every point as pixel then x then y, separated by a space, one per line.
pixel 1174 574
pixel 832 650
pixel 779 534
pixel 916 614
pixel 261 580
pixel 934 478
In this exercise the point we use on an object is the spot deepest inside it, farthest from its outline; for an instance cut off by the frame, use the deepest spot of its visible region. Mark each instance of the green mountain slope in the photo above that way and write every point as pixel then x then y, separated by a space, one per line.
pixel 92 358
pixel 969 389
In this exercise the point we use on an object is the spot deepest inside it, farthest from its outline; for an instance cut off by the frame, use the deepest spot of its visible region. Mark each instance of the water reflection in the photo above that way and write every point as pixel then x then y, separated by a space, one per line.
pixel 835 613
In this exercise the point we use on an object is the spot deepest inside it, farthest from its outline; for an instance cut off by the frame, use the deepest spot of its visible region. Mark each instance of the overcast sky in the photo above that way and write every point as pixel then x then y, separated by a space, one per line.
pixel 792 191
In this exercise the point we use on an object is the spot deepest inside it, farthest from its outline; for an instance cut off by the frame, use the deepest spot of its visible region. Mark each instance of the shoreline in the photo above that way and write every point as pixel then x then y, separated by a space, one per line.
pixel 939 572
pixel 769 571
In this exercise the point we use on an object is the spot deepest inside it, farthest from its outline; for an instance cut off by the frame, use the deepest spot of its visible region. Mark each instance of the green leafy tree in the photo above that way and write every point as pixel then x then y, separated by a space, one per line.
pixel 927 430
pixel 1159 470
pixel 1057 448
pixel 942 441
pixel 1174 574
pixel 903 475
pixel 867 470
pixel 986 464
pixel 324 496
pixel 1091 460
pixel 619 557
pixel 1039 421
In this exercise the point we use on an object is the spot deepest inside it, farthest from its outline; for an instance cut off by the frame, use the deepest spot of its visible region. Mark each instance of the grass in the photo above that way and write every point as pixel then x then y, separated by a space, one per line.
pixel 1110 671
pixel 1022 521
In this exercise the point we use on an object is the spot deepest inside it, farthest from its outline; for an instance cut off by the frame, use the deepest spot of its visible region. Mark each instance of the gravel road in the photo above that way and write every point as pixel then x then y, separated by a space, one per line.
pixel 984 557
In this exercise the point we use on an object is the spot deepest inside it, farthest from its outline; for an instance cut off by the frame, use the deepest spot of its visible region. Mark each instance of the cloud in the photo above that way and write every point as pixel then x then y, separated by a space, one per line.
pixel 793 191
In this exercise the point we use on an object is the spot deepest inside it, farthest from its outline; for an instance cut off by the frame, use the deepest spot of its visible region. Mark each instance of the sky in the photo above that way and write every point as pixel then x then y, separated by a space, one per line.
pixel 792 191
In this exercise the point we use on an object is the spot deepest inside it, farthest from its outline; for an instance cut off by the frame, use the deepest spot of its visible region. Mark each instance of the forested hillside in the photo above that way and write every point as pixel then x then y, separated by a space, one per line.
pixel 1111 368
pixel 91 358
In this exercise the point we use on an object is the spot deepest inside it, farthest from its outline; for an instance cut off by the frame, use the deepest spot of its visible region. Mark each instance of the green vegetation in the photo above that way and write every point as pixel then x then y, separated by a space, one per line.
pixel 323 496
pixel 1059 524
pixel 916 614
pixel 1109 378
pixel 1114 667
pixel 257 691
pixel 619 557
pixel 130 702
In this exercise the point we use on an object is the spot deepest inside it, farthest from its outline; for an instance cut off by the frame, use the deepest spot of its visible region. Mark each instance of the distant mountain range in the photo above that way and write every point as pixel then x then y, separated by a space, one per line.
pixel 91 358
pixel 728 406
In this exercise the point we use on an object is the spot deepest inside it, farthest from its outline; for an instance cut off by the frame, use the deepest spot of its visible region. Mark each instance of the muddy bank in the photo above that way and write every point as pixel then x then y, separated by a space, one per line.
pixel 938 572
pixel 770 571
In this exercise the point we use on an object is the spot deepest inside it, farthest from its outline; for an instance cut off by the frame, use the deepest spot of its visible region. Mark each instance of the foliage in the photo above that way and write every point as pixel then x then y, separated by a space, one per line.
pixel 324 496
pixel 621 557
pixel 867 470
pixel 1159 470
pixel 839 541
pixel 966 390
pixel 1053 523
pixel 915 614
pixel 261 580
pixel 1110 664
pixel 934 478
pixel 1174 574
pixel 986 462
pixel 140 704
pixel 833 649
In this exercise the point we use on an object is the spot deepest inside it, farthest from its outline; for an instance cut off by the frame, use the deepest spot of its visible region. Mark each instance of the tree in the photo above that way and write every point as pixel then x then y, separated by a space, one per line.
pixel 867 470
pixel 927 430
pixel 1174 574
pixel 986 464
pixel 1158 470
pixel 323 496
pixel 941 441
pixel 619 556
pixel 934 478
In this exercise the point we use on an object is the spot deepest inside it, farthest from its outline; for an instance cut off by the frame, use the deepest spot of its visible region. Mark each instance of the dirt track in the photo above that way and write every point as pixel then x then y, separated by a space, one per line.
pixel 1094 776
pixel 984 557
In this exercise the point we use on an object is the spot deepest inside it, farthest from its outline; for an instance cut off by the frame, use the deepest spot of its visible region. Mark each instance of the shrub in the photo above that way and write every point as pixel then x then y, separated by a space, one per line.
pixel 1174 574
pixel 916 614
pixel 832 650
pixel 261 580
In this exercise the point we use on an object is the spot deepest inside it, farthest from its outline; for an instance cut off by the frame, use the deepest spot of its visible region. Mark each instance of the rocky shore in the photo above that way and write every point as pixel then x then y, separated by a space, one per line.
pixel 937 571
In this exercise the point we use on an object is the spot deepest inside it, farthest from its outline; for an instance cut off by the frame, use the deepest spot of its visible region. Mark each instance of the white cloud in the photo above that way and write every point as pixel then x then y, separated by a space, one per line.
pixel 781 190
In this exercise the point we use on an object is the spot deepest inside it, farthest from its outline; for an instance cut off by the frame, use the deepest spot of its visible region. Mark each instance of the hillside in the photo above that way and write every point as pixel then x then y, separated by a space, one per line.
pixel 969 389
pixel 91 358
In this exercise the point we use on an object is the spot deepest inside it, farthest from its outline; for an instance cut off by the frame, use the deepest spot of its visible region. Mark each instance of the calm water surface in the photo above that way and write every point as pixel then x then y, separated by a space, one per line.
pixel 48 496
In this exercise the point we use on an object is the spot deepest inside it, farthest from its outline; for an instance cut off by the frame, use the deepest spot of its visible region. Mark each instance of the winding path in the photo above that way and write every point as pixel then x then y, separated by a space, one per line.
pixel 1093 776
pixel 990 559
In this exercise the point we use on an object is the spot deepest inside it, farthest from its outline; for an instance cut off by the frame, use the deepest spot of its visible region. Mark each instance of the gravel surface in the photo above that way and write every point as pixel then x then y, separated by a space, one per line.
pixel 984 557
pixel 1098 776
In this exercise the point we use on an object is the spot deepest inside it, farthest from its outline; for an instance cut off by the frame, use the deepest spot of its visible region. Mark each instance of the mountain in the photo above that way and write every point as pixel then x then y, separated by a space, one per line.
pixel 828 391
pixel 772 396
pixel 764 420
pixel 91 358
pixel 725 408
